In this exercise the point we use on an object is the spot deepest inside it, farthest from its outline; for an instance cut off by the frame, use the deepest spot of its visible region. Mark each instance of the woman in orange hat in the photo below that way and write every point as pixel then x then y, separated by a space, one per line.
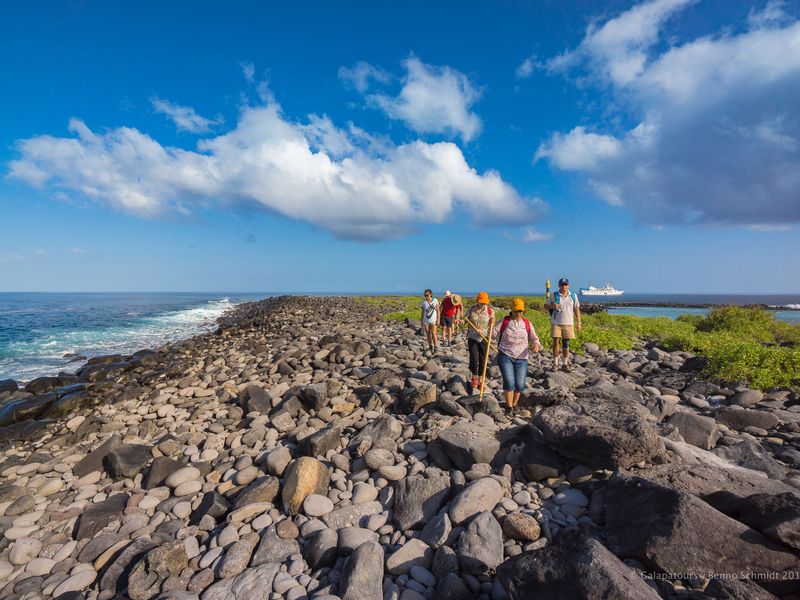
pixel 481 316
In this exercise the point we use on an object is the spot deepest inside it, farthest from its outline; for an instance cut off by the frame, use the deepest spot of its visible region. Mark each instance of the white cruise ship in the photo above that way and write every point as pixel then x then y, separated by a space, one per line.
pixel 606 290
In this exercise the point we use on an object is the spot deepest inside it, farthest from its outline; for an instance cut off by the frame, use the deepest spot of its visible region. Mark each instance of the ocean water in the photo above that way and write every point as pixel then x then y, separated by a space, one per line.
pixel 785 307
pixel 41 332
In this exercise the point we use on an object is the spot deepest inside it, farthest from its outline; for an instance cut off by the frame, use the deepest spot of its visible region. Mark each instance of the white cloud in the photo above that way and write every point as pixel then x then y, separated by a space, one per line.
pixel 578 150
pixel 184 117
pixel 531 236
pixel 718 134
pixel 433 100
pixel 361 74
pixel 771 14
pixel 525 68
pixel 12 257
pixel 343 181
pixel 617 50
pixel 78 251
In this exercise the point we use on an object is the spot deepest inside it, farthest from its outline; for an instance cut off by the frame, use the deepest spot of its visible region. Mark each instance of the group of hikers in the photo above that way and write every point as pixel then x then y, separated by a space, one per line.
pixel 513 337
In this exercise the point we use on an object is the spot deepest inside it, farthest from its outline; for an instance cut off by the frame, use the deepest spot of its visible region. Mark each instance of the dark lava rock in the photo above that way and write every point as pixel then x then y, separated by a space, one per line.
pixel 674 532
pixel 255 399
pixel 128 459
pixel 776 516
pixel 452 587
pixel 575 567
pixel 263 489
pixel 739 418
pixel 94 461
pixel 600 433
pixel 362 576
pixel 161 468
pixel 97 516
pixel 213 504
pixel 8 385
pixel 23 409
pixel 148 574
pixel 115 577
pixel 315 396
pixel 539 462
pixel 321 549
pixel 319 443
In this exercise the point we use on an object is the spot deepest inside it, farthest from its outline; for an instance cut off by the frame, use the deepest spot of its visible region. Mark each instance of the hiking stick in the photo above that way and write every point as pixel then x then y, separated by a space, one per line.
pixel 478 331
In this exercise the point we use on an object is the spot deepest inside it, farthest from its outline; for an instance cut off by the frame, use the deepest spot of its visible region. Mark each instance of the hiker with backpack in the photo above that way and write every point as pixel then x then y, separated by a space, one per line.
pixel 429 319
pixel 565 320
pixel 450 317
pixel 515 338
pixel 480 320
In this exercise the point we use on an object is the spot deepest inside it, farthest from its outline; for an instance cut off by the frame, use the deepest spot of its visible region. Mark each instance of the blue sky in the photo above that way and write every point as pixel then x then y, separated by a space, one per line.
pixel 191 146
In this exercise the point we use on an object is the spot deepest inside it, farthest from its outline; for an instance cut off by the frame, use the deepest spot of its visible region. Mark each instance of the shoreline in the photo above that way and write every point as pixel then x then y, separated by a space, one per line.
pixel 315 447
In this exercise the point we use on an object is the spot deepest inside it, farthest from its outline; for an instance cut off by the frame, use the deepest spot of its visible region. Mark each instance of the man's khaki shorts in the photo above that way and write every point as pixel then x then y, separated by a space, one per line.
pixel 562 331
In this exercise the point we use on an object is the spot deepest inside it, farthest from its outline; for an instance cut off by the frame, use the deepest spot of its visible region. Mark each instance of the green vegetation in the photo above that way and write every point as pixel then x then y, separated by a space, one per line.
pixel 741 344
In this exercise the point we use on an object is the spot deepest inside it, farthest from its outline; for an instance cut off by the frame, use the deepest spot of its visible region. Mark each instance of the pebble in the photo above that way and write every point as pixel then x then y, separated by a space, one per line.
pixel 181 476
pixel 76 583
pixel 24 550
pixel 316 505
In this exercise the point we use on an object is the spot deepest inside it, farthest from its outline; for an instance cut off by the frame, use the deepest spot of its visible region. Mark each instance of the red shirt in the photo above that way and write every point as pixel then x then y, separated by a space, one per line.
pixel 449 309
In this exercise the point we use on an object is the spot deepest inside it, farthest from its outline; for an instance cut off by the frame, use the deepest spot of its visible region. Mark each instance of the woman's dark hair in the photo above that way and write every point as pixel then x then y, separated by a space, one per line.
pixel 428 292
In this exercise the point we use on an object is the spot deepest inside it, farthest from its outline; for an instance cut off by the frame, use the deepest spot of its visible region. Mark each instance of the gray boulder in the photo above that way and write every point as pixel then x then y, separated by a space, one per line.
pixel 419 498
pixel 362 576
pixel 480 546
pixel 467 443
pixel 696 430
pixel 251 583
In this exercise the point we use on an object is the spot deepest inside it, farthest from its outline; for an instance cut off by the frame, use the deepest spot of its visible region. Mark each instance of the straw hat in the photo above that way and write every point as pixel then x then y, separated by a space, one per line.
pixel 456 300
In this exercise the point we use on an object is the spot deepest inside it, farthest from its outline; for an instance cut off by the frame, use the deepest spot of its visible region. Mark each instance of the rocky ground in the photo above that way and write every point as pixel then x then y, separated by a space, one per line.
pixel 308 449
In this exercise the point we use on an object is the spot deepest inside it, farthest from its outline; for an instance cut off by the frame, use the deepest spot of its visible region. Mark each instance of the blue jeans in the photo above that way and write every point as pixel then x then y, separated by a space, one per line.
pixel 514 371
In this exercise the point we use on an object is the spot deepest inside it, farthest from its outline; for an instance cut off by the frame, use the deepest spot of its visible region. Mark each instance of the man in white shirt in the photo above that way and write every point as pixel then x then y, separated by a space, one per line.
pixel 565 320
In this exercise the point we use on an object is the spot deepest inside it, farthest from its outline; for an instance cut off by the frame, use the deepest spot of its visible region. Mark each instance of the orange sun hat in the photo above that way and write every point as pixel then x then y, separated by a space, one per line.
pixel 483 298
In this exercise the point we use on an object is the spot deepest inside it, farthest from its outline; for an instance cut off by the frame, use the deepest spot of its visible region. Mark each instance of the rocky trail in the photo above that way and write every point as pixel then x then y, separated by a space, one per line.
pixel 309 449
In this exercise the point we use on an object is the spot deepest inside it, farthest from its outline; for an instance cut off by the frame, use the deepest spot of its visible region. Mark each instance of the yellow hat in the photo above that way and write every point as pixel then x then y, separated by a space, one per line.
pixel 483 298
pixel 517 304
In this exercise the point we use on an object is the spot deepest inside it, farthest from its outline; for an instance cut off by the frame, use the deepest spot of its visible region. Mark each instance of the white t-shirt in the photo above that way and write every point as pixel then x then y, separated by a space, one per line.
pixel 430 311
pixel 566 314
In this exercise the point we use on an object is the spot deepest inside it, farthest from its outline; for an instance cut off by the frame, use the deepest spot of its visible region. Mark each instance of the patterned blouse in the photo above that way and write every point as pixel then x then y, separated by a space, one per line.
pixel 478 314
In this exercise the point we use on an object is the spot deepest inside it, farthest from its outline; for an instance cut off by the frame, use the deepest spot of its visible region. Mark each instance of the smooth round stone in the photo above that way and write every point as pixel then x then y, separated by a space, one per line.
pixel 187 488
pixel 75 422
pixel 393 472
pixel 149 502
pixel 571 496
pixel 51 487
pixel 522 498
pixel 364 492
pixel 28 520
pixel 76 583
pixel 261 522
pixel 181 476
pixel 24 550
pixel 21 505
pixel 287 530
pixel 6 568
pixel 422 575
pixel 209 557
pixel 227 536
pixel 246 475
pixel 40 566
pixel 378 457
pixel 572 510
pixel 316 505
pixel 182 510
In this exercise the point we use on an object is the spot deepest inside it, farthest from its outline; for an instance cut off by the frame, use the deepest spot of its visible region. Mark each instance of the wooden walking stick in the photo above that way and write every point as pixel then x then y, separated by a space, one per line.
pixel 486 359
